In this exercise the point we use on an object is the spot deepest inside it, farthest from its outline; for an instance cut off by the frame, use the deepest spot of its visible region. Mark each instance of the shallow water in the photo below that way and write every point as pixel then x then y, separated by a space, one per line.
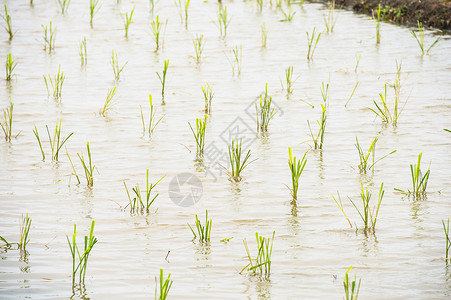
pixel 314 244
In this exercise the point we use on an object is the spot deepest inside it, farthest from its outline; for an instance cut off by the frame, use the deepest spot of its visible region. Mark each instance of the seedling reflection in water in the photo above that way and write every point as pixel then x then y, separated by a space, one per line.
pixel 296 168
pixel 137 205
pixel 351 287
pixel 264 35
pixel 203 232
pixel 261 265
pixel 419 181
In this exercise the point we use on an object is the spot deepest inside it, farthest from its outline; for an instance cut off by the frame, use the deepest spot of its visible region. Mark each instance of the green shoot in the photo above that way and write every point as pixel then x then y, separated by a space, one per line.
pixel 368 214
pixel 64 5
pixel 115 64
pixel 340 206
pixel 351 287
pixel 365 164
pixel 208 96
pixel 93 9
pixel 108 102
pixel 260 5
pixel 83 52
pixel 237 162
pixel 447 241
pixel 237 59
pixel 198 46
pixel 330 21
pixel 377 21
pixel 261 265
pixel 312 42
pixel 419 181
pixel 264 34
pixel 357 59
pixel 319 139
pixel 127 21
pixel 199 135
pixel 6 244
pixel 447 130
pixel 56 84
pixel 25 223
pixel 155 27
pixel 8 26
pixel 296 168
pixel 137 205
pixel 289 80
pixel 7 125
pixel 88 167
pixel 288 16
pixel 73 167
pixel 36 134
pixel 163 80
pixel 57 142
pixel 10 66
pixel 152 120
pixel 353 91
pixel 264 111
pixel 203 231
pixel 420 39
pixel 223 21
pixel 49 37
pixel 164 286
pixel 186 13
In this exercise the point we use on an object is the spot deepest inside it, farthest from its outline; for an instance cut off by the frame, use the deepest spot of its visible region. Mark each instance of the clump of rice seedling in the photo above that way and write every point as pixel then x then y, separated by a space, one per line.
pixel 56 83
pixel 49 37
pixel 64 5
pixel 109 101
pixel 93 9
pixel 8 26
pixel 82 254
pixel 10 66
pixel 312 43
pixel 319 139
pixel 163 80
pixel 377 21
pixel 261 265
pixel 264 111
pixel 264 34
pixel 137 205
pixel 204 232
pixel 447 241
pixel 162 290
pixel 351 287
pixel 7 125
pixel 186 13
pixel 56 143
pixel 296 168
pixel 115 64
pixel 237 53
pixel 353 91
pixel 289 15
pixel 223 20
pixel 289 80
pixel 198 43
pixel 88 167
pixel 127 21
pixel 260 5
pixel 420 39
pixel 156 26
pixel 152 120
pixel 419 181
pixel 36 134
pixel 199 135
pixel 83 52
pixel 237 162
pixel 208 96
pixel 365 164
pixel 330 21
pixel 25 223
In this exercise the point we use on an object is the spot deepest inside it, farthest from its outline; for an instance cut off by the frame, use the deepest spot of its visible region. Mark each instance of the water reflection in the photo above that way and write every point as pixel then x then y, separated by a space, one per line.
pixel 369 243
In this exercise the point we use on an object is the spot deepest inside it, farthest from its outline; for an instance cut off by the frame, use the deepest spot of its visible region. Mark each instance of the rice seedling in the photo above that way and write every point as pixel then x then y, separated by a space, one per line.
pixel 127 18
pixel 368 214
pixel 223 20
pixel 152 120
pixel 6 244
pixel 156 26
pixel 330 21
pixel 36 134
pixel 204 232
pixel 88 167
pixel 115 64
pixel 357 58
pixel 419 181
pixel 162 290
pixel 186 12
pixel 289 80
pixel 198 43
pixel 199 135
pixel 261 265
pixel 83 52
pixel 57 142
pixel 264 111
pixel 365 164
pixel 8 26
pixel 237 162
pixel 340 206
pixel 93 9
pixel 264 34
pixel 289 15
pixel 56 83
pixel 351 287
pixel 420 39
pixel 7 125
pixel 377 21
pixel 109 101
pixel 163 79
pixel 296 168
pixel 49 37
pixel 24 223
pixel 137 205
pixel 259 5
pixel 318 140
pixel 353 91
pixel 237 53
pixel 10 66
pixel 447 241
pixel 64 5
pixel 82 254
pixel 73 169
pixel 312 43
pixel 208 96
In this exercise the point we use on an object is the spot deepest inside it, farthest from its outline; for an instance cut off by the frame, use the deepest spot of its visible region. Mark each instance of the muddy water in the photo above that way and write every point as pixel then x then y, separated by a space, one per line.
pixel 314 244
